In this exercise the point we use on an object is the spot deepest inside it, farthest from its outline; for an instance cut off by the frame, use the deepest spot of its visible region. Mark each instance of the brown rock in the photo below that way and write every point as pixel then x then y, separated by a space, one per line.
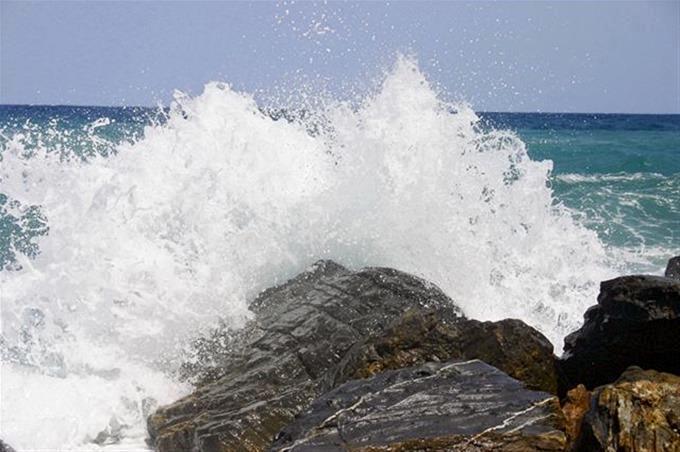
pixel 418 337
pixel 639 412
pixel 575 407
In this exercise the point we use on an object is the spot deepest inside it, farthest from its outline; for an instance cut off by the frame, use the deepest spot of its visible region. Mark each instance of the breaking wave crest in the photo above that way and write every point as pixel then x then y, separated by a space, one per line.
pixel 150 245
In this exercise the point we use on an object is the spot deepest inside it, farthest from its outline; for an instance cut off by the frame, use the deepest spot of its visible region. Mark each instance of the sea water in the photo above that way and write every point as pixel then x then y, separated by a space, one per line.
pixel 126 232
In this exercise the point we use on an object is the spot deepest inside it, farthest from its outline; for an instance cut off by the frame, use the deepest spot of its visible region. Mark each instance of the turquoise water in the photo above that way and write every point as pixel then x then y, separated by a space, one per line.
pixel 620 174
pixel 83 132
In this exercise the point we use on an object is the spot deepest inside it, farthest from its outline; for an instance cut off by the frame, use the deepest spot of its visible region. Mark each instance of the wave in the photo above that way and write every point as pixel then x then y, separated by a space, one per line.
pixel 578 178
pixel 150 245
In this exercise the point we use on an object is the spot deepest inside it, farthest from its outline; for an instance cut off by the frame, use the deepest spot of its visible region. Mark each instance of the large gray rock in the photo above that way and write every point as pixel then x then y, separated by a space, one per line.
pixel 253 384
pixel 454 406
pixel 636 322
pixel 4 447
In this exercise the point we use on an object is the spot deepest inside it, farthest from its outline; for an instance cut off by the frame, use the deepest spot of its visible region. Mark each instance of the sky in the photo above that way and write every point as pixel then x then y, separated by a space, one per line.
pixel 554 56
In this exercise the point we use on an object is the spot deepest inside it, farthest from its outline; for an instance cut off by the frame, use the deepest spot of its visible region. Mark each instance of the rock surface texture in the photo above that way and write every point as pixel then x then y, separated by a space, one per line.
pixel 455 406
pixel 636 322
pixel 639 412
pixel 323 328
pixel 422 336
pixel 575 407
pixel 276 366
pixel 4 447
pixel 673 268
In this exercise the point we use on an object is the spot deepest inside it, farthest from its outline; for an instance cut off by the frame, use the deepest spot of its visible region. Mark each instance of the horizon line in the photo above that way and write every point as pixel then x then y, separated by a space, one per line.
pixel 149 107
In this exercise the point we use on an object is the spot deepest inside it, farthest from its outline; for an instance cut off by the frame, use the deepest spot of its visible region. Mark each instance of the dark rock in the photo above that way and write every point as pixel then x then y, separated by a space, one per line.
pixel 4 447
pixel 465 406
pixel 639 412
pixel 673 268
pixel 636 322
pixel 253 384
pixel 420 336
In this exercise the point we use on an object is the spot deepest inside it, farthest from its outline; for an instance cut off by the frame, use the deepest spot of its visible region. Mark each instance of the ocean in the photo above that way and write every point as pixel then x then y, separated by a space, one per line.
pixel 126 231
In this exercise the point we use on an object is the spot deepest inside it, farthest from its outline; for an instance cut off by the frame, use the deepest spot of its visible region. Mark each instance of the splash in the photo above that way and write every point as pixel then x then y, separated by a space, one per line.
pixel 148 246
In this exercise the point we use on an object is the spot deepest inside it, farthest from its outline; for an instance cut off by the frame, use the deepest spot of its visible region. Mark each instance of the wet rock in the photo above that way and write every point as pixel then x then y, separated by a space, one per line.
pixel 575 407
pixel 639 412
pixel 253 384
pixel 673 268
pixel 635 322
pixel 466 406
pixel 421 336
pixel 112 434
pixel 4 447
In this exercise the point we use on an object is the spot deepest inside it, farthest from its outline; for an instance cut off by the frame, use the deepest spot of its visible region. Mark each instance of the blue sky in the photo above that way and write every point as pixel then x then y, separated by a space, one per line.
pixel 509 56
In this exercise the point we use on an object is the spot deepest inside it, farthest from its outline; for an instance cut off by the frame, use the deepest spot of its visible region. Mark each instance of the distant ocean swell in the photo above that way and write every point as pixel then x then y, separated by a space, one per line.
pixel 124 232
pixel 597 178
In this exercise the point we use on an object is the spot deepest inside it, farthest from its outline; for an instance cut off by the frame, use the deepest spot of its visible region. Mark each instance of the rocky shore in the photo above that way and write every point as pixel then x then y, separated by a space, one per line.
pixel 379 360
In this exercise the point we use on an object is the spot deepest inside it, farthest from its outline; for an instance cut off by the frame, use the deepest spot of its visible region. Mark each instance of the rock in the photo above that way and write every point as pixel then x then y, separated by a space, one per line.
pixel 4 447
pixel 419 336
pixel 635 322
pixel 253 384
pixel 673 268
pixel 453 406
pixel 639 412
pixel 575 407
pixel 112 434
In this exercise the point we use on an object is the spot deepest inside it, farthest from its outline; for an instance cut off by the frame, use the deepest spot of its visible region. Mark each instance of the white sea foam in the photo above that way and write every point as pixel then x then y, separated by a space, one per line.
pixel 575 178
pixel 150 245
